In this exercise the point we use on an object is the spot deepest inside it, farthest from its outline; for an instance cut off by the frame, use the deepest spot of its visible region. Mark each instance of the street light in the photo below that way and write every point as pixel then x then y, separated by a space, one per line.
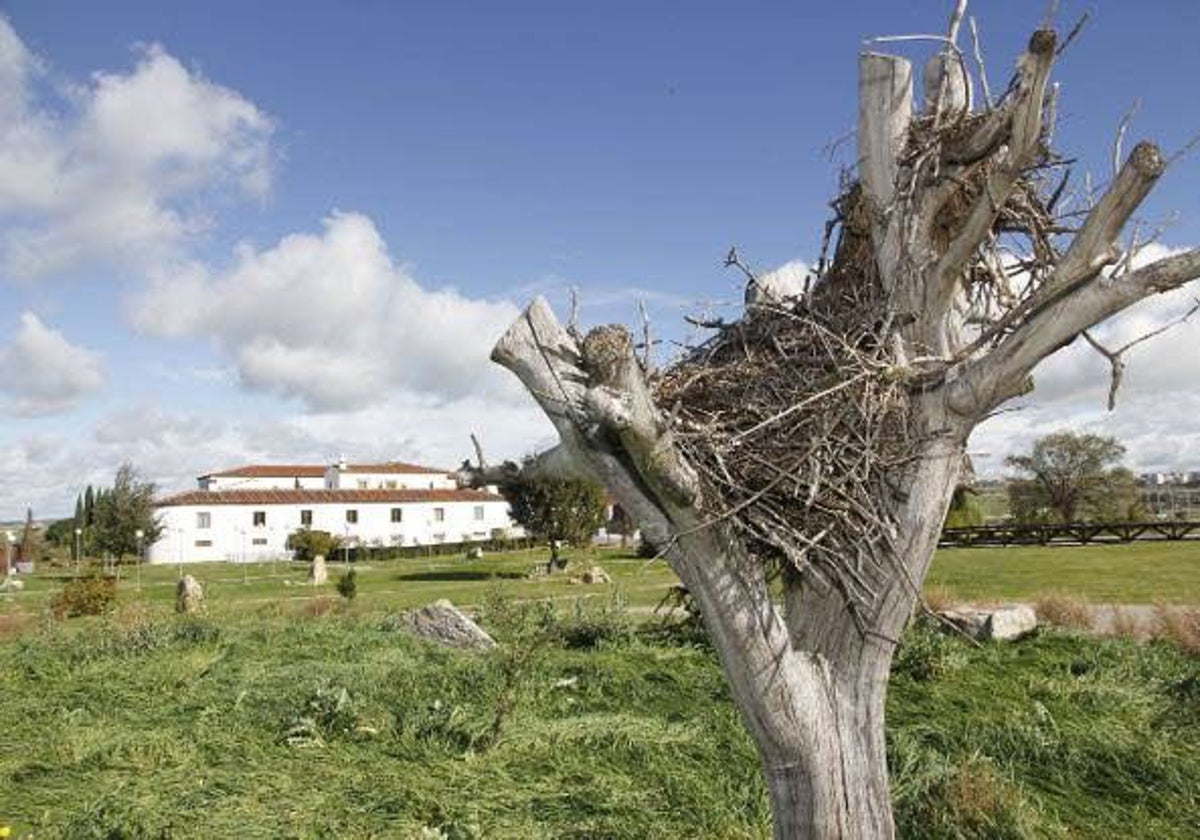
pixel 78 548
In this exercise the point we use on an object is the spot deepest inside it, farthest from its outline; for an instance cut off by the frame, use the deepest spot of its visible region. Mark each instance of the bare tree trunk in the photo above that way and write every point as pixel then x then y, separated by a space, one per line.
pixel 911 337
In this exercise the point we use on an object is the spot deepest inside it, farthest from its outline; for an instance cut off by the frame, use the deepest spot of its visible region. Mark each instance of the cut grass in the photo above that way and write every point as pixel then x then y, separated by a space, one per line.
pixel 1134 573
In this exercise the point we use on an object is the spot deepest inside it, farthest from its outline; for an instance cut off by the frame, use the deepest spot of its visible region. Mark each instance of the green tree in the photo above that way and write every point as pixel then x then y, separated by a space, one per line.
pixel 61 533
pixel 29 549
pixel 305 544
pixel 121 511
pixel 1069 476
pixel 559 510
pixel 965 510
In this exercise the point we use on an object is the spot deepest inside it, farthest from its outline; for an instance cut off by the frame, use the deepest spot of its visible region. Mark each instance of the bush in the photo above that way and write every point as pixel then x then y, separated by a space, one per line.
pixel 347 585
pixel 589 627
pixel 92 595
pixel 306 544
pixel 926 652
pixel 1061 610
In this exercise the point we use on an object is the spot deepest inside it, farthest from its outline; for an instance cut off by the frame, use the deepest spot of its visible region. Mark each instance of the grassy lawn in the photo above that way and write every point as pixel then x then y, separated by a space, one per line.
pixel 293 725
pixel 392 584
pixel 1137 573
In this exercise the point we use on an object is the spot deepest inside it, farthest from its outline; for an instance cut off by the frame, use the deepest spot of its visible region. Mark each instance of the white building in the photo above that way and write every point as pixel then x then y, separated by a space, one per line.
pixel 247 514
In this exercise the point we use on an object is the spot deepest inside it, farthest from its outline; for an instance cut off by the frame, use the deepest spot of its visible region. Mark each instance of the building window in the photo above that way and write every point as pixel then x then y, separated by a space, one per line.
pixel 363 484
pixel 260 518
pixel 439 514
pixel 306 518
pixel 203 543
pixel 204 520
pixel 391 485
pixel 397 514
pixel 478 513
pixel 352 516
pixel 259 541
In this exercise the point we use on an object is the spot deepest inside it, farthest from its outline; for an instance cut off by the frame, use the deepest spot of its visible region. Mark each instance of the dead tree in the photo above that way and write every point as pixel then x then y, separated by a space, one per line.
pixel 820 438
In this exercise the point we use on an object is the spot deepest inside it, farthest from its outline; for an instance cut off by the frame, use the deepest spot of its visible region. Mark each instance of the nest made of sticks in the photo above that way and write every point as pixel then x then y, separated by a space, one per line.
pixel 797 417
pixel 796 420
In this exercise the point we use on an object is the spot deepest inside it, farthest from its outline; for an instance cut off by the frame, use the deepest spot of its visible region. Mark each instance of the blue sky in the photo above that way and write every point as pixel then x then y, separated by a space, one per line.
pixel 285 231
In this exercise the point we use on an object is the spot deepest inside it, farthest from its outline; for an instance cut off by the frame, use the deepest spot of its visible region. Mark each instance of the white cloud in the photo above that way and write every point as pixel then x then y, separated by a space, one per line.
pixel 118 168
pixel 171 448
pixel 331 319
pixel 1158 403
pixel 43 373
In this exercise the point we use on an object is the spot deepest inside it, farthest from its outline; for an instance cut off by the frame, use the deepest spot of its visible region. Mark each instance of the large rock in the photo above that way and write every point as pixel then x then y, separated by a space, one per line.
pixel 1000 624
pixel 189 595
pixel 317 574
pixel 446 624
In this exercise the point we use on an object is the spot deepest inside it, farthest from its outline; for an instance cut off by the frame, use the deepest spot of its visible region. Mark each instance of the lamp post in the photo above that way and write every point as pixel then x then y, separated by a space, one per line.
pixel 141 536
pixel 78 548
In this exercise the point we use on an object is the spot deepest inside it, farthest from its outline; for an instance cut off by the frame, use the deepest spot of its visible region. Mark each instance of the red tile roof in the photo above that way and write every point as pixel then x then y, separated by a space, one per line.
pixel 270 471
pixel 317 497
pixel 318 471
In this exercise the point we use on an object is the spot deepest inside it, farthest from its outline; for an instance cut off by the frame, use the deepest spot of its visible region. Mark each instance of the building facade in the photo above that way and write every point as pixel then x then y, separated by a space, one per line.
pixel 247 514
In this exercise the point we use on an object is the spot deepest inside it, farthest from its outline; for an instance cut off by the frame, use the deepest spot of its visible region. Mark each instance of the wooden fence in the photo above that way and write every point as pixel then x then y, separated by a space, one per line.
pixel 1074 533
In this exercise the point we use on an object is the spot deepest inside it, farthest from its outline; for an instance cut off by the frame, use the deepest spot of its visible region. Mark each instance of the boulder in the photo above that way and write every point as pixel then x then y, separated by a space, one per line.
pixel 316 571
pixel 446 624
pixel 1000 624
pixel 189 596
pixel 475 553
pixel 595 575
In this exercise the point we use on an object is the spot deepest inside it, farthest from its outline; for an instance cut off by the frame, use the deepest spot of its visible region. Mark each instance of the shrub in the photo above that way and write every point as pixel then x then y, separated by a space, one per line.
pixel 92 595
pixel 306 544
pixel 940 598
pixel 347 585
pixel 589 627
pixel 1061 610
pixel 926 652
pixel 1178 625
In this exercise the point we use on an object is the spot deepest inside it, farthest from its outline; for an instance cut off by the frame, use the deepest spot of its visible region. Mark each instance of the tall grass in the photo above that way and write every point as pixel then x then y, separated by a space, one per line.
pixel 144 724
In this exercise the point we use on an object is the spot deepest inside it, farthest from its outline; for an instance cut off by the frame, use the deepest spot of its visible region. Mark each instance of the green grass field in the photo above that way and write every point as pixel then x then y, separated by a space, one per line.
pixel 1136 573
pixel 287 712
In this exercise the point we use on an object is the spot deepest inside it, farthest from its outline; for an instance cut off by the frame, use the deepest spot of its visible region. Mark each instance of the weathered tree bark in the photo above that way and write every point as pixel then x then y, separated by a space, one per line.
pixel 810 674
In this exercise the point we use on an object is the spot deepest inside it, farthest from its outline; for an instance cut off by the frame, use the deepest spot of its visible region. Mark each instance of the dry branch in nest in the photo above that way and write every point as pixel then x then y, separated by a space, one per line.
pixel 796 420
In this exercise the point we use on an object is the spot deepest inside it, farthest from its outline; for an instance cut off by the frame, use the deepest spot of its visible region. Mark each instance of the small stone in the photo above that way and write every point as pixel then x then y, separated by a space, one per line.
pixel 189 596
pixel 316 571
pixel 596 575
pixel 446 624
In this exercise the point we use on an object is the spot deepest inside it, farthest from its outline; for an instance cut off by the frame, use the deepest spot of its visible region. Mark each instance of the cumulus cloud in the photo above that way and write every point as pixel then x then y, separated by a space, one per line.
pixel 1157 405
pixel 43 373
pixel 330 318
pixel 172 447
pixel 117 168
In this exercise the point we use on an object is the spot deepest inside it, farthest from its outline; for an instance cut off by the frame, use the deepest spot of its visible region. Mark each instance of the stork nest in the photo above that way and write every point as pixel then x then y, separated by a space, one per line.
pixel 796 419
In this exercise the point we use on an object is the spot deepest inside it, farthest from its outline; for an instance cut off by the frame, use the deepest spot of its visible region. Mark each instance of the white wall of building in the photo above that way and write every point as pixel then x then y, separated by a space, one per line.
pixel 349 478
pixel 228 532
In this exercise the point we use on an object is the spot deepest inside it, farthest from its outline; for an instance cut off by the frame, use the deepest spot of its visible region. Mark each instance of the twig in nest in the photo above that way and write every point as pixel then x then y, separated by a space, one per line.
pixel 978 50
pixel 646 345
